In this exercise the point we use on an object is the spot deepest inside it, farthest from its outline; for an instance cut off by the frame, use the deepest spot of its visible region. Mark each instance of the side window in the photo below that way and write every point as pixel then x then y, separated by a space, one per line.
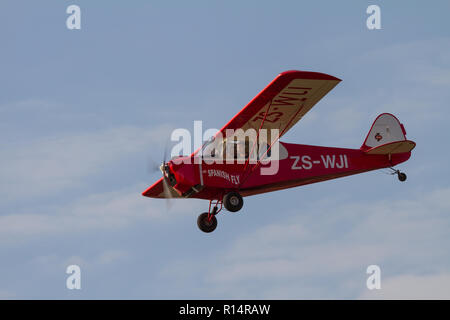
pixel 242 149
pixel 262 151
pixel 269 153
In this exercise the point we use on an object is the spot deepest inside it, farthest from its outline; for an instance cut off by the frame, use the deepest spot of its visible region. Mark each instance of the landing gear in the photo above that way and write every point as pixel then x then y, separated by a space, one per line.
pixel 233 201
pixel 400 175
pixel 207 222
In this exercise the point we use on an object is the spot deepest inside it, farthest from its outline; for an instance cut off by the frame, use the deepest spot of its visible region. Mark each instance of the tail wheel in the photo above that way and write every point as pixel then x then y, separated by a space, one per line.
pixel 207 222
pixel 233 201
pixel 400 175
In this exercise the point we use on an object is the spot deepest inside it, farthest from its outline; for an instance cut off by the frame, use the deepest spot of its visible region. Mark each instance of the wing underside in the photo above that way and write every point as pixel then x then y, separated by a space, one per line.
pixel 283 102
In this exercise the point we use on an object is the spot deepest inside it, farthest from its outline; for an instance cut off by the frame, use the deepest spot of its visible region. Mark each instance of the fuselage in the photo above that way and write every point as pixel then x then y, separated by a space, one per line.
pixel 296 165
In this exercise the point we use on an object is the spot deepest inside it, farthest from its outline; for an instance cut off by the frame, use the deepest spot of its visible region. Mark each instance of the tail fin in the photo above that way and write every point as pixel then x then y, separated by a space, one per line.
pixel 387 136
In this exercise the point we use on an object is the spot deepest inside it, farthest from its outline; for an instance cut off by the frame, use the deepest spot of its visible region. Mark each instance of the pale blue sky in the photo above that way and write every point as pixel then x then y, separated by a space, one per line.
pixel 83 111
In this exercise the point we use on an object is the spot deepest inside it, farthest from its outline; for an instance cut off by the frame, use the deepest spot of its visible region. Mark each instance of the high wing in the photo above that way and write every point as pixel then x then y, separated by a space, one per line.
pixel 283 102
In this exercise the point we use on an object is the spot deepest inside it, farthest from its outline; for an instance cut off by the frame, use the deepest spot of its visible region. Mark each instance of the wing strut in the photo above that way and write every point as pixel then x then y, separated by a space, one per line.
pixel 257 137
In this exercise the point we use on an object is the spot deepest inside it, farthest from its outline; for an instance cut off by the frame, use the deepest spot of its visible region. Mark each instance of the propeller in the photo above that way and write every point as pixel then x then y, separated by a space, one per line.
pixel 169 193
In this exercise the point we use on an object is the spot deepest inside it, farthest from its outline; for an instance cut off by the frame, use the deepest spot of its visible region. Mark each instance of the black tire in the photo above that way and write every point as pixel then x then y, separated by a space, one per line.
pixel 401 176
pixel 206 222
pixel 233 201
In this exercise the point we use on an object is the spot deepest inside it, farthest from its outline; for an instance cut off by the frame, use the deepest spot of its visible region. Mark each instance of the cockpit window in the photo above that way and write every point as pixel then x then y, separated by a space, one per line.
pixel 235 150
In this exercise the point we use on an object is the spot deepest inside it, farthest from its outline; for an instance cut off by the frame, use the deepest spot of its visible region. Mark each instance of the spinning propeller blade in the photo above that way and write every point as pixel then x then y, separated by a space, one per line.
pixel 168 190
pixel 167 193
pixel 152 167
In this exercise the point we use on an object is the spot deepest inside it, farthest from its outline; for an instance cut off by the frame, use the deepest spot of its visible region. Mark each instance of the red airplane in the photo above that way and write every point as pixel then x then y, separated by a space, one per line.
pixel 278 106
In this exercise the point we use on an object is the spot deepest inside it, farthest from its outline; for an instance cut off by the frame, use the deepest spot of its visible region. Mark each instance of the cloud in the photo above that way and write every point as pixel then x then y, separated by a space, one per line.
pixel 412 86
pixel 410 286
pixel 111 256
pixel 99 260
pixel 93 213
pixel 419 72
pixel 324 252
pixel 48 166
pixel 5 294
pixel 29 105
pixel 413 59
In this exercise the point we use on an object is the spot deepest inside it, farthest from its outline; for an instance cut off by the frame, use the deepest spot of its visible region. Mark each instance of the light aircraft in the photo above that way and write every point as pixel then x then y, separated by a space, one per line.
pixel 276 108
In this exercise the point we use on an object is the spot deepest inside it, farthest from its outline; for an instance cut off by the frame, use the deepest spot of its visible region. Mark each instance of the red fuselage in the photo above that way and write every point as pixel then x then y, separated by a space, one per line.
pixel 298 165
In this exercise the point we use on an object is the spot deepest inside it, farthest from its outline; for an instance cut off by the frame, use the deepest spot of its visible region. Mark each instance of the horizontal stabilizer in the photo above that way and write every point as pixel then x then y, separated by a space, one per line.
pixel 392 147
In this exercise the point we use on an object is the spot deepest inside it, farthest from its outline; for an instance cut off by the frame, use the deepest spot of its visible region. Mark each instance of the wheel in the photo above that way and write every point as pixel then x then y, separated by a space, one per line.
pixel 401 176
pixel 233 201
pixel 206 222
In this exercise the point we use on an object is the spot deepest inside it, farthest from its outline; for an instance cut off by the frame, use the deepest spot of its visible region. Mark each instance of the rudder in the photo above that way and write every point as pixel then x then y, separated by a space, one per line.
pixel 385 129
